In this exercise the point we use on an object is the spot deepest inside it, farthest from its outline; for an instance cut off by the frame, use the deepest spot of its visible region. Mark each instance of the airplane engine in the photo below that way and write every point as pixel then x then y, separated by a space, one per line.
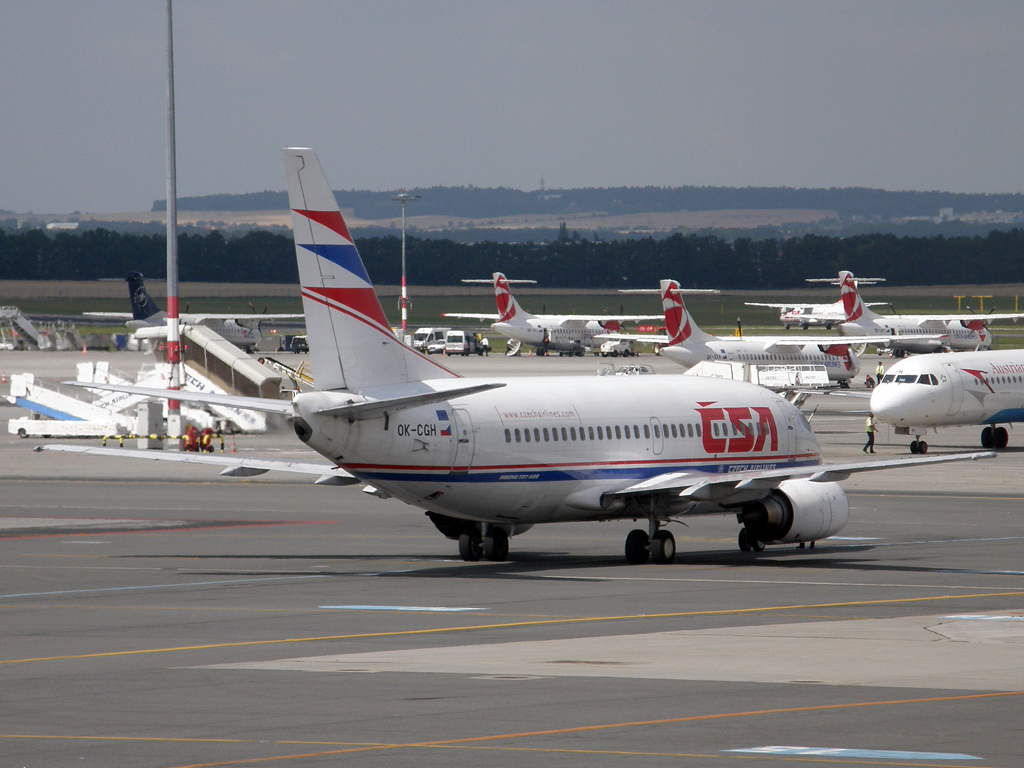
pixel 798 511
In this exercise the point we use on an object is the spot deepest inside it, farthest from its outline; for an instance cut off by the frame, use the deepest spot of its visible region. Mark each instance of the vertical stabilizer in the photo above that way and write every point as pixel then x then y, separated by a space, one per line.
pixel 509 310
pixel 143 306
pixel 678 324
pixel 351 344
pixel 852 304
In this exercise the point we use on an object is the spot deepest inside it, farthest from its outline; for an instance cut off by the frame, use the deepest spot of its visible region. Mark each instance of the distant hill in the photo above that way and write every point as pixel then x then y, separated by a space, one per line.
pixel 477 202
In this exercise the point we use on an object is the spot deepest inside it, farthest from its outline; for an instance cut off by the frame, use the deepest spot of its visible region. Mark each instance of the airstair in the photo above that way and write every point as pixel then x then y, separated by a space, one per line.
pixel 21 327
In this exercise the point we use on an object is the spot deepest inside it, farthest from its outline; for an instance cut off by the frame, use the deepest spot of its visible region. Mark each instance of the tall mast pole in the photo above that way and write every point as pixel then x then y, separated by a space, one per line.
pixel 404 197
pixel 173 338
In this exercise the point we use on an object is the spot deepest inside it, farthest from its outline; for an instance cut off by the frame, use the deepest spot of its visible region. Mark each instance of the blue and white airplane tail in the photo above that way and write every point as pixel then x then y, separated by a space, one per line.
pixel 351 344
pixel 143 306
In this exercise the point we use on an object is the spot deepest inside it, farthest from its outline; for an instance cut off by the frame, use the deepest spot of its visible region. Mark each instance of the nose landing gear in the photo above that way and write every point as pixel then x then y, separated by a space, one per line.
pixel 919 446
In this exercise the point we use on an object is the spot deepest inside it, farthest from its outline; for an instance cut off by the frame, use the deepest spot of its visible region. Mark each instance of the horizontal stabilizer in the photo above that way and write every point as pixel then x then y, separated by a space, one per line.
pixel 236 466
pixel 374 409
pixel 264 404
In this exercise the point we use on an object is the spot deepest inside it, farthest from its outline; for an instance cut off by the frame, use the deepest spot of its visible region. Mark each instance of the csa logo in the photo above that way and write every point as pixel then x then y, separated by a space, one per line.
pixel 737 430
pixel 442 416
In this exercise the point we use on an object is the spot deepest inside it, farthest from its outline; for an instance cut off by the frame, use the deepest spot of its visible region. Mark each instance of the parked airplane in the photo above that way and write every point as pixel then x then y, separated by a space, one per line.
pixel 549 333
pixel 916 333
pixel 816 315
pixel 983 388
pixel 490 458
pixel 240 329
pixel 689 345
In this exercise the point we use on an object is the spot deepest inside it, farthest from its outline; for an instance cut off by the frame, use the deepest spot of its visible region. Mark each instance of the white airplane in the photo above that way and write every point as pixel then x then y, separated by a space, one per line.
pixel 967 388
pixel 148 320
pixel 550 333
pixel 916 333
pixel 816 315
pixel 689 345
pixel 490 458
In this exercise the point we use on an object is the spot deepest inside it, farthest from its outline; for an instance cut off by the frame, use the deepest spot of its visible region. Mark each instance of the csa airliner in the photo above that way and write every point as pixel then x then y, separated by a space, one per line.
pixel 490 458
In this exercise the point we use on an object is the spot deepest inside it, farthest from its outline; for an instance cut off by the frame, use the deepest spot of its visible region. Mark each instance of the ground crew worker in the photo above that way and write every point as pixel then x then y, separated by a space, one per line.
pixel 879 371
pixel 486 346
pixel 870 427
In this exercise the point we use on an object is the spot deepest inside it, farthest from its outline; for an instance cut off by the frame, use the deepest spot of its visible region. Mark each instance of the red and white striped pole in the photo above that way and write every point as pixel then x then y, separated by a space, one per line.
pixel 404 197
pixel 173 338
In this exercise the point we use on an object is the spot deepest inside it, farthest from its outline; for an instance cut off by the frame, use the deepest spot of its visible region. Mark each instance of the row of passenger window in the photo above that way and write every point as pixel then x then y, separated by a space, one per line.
pixel 582 434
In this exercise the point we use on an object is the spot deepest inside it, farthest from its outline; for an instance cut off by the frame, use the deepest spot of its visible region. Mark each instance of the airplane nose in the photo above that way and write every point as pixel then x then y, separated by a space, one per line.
pixel 886 404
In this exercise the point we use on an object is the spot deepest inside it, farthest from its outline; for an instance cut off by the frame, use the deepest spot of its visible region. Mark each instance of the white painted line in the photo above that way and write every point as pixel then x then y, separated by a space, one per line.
pixel 983 617
pixel 874 754
pixel 854 538
pixel 399 608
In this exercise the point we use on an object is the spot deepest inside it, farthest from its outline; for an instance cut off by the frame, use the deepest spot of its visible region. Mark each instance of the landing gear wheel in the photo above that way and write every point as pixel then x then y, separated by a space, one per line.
pixel 471 547
pixel 757 546
pixel 987 438
pixel 663 548
pixel 495 545
pixel 922 447
pixel 638 547
pixel 915 447
pixel 744 540
pixel 1000 437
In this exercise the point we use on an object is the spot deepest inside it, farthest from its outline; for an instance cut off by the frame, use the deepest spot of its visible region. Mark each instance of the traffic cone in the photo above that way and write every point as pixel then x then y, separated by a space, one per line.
pixel 3 378
pixel 233 450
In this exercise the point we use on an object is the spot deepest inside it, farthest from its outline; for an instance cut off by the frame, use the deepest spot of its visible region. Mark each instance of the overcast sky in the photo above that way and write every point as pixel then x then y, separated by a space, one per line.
pixel 898 95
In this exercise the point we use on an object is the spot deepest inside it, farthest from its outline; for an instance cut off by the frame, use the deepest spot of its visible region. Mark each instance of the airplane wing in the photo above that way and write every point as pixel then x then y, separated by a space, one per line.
pixel 773 306
pixel 771 342
pixel 206 317
pixel 608 318
pixel 109 315
pixel 471 316
pixel 640 338
pixel 718 488
pixel 235 401
pixel 965 318
pixel 234 466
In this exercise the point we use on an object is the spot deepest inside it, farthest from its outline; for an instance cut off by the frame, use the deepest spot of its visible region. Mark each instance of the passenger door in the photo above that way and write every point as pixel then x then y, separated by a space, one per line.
pixel 956 383
pixel 657 437
pixel 464 441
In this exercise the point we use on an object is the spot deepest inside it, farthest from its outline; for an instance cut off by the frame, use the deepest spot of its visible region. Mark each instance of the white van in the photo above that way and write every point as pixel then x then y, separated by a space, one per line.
pixel 462 343
pixel 425 337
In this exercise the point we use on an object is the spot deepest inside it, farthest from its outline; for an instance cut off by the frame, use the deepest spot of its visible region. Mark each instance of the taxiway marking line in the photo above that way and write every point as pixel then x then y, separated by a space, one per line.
pixel 509 625
pixel 161 586
pixel 541 750
pixel 191 528
pixel 635 724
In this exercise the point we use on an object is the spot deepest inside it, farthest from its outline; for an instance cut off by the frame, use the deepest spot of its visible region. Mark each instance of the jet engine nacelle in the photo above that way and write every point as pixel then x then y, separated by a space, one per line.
pixel 799 510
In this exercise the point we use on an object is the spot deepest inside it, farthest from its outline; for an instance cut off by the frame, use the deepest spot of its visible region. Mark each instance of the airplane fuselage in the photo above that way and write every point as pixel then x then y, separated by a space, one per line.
pixel 840 367
pixel 969 388
pixel 531 452
pixel 552 335
pixel 955 335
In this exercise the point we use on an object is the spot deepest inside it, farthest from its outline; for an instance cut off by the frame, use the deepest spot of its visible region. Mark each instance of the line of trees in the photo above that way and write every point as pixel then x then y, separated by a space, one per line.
pixel 700 261
pixel 487 202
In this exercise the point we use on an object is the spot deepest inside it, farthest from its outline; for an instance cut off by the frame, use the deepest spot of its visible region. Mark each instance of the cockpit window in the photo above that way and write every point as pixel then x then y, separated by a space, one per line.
pixel 888 379
pixel 924 378
pixel 906 378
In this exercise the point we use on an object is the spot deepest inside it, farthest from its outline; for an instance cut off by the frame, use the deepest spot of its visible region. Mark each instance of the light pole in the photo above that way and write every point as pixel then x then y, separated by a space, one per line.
pixel 404 197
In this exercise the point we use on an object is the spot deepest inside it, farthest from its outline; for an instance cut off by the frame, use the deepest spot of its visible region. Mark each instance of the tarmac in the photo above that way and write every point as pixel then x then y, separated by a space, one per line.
pixel 160 615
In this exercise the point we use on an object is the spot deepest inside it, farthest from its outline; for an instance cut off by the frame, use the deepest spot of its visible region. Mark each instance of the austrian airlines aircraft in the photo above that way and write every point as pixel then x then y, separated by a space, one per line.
pixel 490 458
pixel 148 320
pixel 932 332
pixel 555 333
pixel 983 388
pixel 689 345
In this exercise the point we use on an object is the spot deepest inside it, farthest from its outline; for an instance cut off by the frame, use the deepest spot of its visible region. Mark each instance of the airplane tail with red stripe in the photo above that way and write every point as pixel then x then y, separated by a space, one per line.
pixel 853 306
pixel 351 343
pixel 679 326
pixel 509 310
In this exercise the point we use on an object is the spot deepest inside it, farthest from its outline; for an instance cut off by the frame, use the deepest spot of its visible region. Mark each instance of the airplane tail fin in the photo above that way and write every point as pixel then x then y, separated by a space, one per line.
pixel 509 310
pixel 143 306
pixel 846 352
pixel 678 324
pixel 853 306
pixel 351 344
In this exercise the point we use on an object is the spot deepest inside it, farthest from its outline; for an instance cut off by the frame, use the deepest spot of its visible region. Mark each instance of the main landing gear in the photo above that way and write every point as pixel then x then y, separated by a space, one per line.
pixel 493 545
pixel 919 446
pixel 659 548
pixel 748 543
pixel 995 437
